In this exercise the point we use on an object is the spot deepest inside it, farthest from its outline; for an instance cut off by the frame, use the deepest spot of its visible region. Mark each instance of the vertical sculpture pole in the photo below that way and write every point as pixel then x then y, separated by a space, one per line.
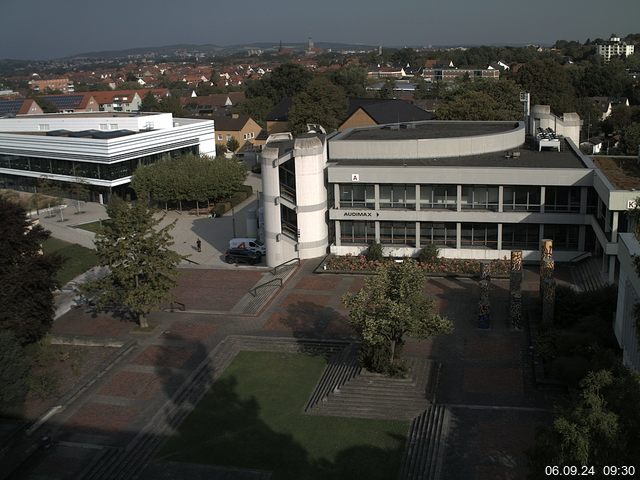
pixel 547 282
pixel 515 290
pixel 484 307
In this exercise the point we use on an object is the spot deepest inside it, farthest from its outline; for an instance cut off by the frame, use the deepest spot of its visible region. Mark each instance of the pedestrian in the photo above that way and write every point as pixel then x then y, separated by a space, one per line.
pixel 199 245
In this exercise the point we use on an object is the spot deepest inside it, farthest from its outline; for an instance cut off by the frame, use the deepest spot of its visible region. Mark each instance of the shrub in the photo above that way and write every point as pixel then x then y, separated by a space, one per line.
pixel 375 252
pixel 14 368
pixel 429 254
pixel 43 385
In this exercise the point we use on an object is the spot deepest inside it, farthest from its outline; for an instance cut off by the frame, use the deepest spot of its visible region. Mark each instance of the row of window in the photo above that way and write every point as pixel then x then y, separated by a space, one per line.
pixel 472 235
pixel 99 171
pixel 444 197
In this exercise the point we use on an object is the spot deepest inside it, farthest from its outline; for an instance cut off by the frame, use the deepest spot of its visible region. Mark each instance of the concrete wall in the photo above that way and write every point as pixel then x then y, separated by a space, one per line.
pixel 83 121
pixel 568 125
pixel 428 147
pixel 628 295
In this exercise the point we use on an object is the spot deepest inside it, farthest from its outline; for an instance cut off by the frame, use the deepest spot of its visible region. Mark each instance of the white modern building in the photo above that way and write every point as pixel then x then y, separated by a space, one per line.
pixel 100 149
pixel 615 48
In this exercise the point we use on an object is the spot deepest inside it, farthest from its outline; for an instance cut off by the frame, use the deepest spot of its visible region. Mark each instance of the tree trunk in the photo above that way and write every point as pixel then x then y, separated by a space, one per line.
pixel 393 351
pixel 180 203
pixel 197 208
pixel 142 321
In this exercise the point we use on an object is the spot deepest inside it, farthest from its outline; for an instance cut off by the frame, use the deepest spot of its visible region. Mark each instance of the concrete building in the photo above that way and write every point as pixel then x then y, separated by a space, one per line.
pixel 62 84
pixel 101 150
pixel 614 48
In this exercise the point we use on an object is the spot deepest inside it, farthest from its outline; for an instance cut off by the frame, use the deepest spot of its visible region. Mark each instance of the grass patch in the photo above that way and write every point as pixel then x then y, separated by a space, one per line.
pixel 252 418
pixel 77 259
pixel 91 227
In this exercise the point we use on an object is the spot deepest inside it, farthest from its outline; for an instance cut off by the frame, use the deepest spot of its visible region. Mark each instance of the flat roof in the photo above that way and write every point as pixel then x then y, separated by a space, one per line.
pixel 429 129
pixel 622 172
pixel 89 115
pixel 529 158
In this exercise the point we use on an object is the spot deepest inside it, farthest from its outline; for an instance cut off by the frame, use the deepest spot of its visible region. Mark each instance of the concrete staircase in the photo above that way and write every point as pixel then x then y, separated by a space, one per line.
pixel 254 300
pixel 373 395
pixel 422 459
pixel 587 275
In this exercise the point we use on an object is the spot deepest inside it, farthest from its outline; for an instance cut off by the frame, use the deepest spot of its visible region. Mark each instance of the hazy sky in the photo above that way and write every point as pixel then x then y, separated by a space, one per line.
pixel 37 29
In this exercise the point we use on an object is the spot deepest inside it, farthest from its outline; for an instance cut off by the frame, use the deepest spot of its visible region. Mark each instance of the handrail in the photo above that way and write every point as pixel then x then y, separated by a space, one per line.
pixel 181 306
pixel 254 290
pixel 189 260
pixel 274 270
pixel 579 258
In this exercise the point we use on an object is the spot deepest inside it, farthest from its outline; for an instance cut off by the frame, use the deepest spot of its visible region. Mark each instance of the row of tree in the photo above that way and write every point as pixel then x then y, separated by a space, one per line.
pixel 190 178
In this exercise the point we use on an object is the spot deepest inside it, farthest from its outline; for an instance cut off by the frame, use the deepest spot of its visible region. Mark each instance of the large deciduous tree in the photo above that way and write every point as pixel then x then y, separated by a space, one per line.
pixel 320 102
pixel 26 275
pixel 600 427
pixel 141 265
pixel 549 84
pixel 14 368
pixel 389 306
pixel 482 100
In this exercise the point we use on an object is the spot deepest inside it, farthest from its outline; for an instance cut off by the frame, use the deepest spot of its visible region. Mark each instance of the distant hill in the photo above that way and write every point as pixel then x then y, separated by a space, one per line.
pixel 208 49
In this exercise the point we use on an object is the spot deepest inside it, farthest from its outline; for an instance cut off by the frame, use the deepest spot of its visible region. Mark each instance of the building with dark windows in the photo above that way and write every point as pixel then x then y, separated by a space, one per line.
pixel 473 189
pixel 101 150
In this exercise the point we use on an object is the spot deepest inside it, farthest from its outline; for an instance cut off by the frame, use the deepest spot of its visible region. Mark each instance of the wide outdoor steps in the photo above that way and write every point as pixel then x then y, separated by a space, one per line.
pixel 372 395
pixel 422 458
pixel 587 276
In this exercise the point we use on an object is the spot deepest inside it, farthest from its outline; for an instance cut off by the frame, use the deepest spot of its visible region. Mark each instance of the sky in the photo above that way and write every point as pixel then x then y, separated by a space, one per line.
pixel 41 29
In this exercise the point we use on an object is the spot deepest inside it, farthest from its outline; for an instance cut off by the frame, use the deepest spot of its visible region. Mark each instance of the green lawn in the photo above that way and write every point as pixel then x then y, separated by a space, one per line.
pixel 77 259
pixel 91 227
pixel 252 418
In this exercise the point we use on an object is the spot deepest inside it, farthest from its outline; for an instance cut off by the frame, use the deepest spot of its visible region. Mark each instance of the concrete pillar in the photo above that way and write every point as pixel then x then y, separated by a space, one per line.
pixel 377 230
pixel 583 200
pixel 614 227
pixel 499 236
pixel 418 235
pixel 458 235
pixel 543 192
pixel 376 193
pixel 271 206
pixel 458 198
pixel 501 199
pixel 612 269
pixel 338 234
pixel 336 195
pixel 541 235
pixel 582 231
pixel 417 196
pixel 607 221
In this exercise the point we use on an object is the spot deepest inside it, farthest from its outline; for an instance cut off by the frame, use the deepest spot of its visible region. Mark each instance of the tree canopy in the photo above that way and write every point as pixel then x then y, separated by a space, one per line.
pixel 320 102
pixel 286 80
pixel 14 368
pixel 142 267
pixel 389 306
pixel 600 427
pixel 481 100
pixel 27 276
pixel 549 84
pixel 189 178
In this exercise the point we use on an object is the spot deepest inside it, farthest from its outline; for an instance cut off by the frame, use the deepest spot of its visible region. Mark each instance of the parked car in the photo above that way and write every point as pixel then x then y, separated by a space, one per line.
pixel 249 244
pixel 242 255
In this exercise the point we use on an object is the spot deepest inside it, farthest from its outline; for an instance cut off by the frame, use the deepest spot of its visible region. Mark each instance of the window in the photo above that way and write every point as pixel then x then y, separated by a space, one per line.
pixel 228 137
pixel 442 197
pixel 357 233
pixel 562 199
pixel 289 220
pixel 113 126
pixel 565 237
pixel 398 196
pixel 398 233
pixel 479 235
pixel 103 126
pixel 520 236
pixel 521 199
pixel 357 196
pixel 43 127
pixel 439 234
pixel 479 197
pixel 220 137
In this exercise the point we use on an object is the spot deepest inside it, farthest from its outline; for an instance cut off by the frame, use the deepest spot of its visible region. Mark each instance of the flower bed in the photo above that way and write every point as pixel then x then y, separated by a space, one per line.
pixel 442 266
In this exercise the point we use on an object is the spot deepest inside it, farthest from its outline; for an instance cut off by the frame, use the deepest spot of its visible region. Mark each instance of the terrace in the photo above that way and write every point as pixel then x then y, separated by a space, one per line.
pixel 622 172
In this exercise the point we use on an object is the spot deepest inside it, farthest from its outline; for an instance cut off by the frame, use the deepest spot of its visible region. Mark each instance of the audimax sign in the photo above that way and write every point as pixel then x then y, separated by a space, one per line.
pixel 360 214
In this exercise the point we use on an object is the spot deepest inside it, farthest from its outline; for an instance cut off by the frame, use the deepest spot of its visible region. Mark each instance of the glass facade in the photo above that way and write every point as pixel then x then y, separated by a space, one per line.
pixel 287 172
pixel 562 199
pixel 442 197
pixel 398 233
pixel 479 197
pixel 565 237
pixel 357 196
pixel 90 170
pixel 289 220
pixel 479 235
pixel 521 199
pixel 439 234
pixel 520 236
pixel 398 196
pixel 357 233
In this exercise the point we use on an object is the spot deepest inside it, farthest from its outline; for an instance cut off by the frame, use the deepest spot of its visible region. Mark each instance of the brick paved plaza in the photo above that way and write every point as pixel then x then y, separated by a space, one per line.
pixel 484 380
